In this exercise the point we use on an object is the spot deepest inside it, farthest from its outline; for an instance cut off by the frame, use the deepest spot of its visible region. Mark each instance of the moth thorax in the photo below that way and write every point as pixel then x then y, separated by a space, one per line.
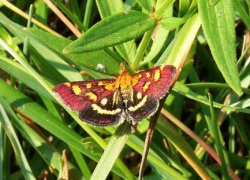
pixel 127 94
pixel 124 81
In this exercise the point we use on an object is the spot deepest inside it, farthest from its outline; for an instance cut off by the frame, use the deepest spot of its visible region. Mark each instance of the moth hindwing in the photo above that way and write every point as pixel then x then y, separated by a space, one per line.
pixel 111 101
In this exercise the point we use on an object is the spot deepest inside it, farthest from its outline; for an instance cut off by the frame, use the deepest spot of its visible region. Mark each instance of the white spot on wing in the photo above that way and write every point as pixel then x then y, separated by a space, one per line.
pixel 139 95
pixel 104 101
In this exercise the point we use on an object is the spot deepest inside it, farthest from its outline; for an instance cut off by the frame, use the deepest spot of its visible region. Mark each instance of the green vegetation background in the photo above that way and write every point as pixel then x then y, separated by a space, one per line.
pixel 203 129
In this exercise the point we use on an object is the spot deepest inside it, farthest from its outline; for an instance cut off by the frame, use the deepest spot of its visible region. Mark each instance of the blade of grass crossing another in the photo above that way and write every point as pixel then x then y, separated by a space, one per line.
pixel 19 153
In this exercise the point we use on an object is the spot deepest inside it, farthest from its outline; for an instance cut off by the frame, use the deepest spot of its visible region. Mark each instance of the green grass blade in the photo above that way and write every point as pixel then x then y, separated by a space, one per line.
pixel 19 153
pixel 111 153
pixel 216 135
pixel 17 71
pixel 185 91
pixel 2 147
pixel 72 16
pixel 242 12
pixel 109 7
pixel 44 149
pixel 81 163
pixel 182 147
pixel 32 62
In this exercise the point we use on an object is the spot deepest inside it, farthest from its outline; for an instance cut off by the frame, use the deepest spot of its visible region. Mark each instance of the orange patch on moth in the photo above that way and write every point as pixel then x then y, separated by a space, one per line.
pixel 68 84
pixel 110 87
pixel 123 81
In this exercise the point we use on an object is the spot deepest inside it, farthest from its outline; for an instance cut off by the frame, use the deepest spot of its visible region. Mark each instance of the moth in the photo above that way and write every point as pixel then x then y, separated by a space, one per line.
pixel 105 102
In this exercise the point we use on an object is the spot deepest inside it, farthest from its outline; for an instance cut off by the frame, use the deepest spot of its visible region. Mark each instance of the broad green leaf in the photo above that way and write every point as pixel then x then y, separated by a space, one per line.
pixel 115 29
pixel 218 25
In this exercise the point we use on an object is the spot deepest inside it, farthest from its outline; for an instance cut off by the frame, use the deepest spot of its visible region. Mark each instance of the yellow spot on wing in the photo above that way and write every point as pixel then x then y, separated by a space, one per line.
pixel 104 111
pixel 148 75
pixel 145 87
pixel 77 90
pixel 135 79
pixel 139 105
pixel 157 75
pixel 88 85
pixel 101 83
pixel 91 96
